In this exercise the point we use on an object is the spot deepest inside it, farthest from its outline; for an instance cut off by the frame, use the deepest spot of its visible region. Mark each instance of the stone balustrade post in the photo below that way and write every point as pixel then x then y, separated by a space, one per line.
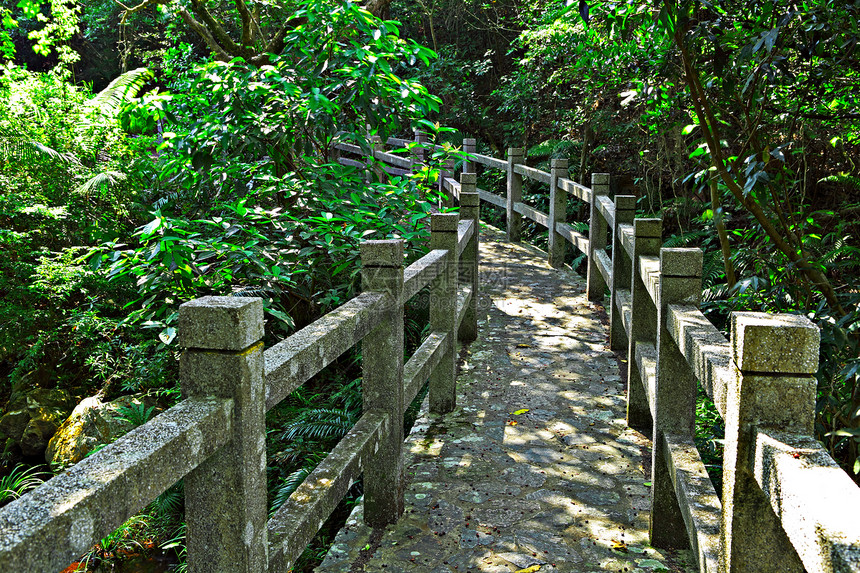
pixel 597 231
pixel 418 152
pixel 625 210
pixel 470 145
pixel 470 209
pixel 443 313
pixel 447 170
pixel 516 156
pixel 375 143
pixel 225 497
pixel 382 381
pixel 643 318
pixel 557 212
pixel 675 401
pixel 775 358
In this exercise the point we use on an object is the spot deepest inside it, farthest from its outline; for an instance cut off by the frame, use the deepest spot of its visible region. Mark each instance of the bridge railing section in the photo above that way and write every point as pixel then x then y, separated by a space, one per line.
pixel 786 505
pixel 215 438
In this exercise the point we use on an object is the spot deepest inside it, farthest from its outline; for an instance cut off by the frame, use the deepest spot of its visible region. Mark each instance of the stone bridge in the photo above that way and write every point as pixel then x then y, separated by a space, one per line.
pixel 564 443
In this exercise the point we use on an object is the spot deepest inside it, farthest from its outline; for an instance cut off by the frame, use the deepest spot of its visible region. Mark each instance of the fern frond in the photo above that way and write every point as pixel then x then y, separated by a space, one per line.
pixel 120 91
pixel 349 395
pixel 543 149
pixel 26 150
pixel 716 292
pixel 107 178
pixel 320 423
pixel 842 179
pixel 169 503
pixel 288 485
pixel 685 239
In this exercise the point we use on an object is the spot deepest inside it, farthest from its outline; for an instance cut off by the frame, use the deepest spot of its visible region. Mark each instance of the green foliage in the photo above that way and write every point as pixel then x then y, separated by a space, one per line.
pixel 136 414
pixel 247 201
pixel 125 541
pixel 709 436
pixel 19 481
pixel 310 424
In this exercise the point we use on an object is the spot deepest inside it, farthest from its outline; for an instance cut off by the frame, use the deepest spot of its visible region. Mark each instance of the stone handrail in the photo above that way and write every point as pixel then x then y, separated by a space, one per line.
pixel 777 514
pixel 786 505
pixel 51 526
pixel 215 437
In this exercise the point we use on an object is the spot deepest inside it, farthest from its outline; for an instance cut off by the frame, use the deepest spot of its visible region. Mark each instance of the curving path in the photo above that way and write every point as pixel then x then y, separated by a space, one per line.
pixel 535 471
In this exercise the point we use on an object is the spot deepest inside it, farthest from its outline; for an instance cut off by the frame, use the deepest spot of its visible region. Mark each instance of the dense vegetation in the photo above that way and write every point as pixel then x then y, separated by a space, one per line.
pixel 190 153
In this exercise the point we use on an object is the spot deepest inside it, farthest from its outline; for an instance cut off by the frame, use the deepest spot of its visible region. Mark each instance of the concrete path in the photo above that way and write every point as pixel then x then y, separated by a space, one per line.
pixel 535 470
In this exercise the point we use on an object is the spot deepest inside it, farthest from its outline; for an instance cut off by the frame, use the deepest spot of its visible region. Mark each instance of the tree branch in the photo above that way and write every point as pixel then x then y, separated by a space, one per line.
pixel 201 31
pixel 712 137
pixel 217 32
pixel 245 16
pixel 133 9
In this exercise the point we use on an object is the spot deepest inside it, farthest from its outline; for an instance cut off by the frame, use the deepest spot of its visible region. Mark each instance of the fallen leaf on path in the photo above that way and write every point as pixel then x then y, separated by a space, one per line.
pixel 518 412
pixel 531 569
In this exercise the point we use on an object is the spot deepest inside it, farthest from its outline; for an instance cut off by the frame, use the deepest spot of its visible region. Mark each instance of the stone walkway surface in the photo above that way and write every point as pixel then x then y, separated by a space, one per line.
pixel 535 471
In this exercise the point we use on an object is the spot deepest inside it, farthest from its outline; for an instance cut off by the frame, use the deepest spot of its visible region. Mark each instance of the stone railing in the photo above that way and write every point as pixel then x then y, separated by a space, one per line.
pixel 786 505
pixel 215 438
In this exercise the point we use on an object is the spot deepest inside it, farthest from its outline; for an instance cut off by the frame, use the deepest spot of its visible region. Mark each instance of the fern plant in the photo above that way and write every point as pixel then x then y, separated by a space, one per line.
pixel 320 424
pixel 136 414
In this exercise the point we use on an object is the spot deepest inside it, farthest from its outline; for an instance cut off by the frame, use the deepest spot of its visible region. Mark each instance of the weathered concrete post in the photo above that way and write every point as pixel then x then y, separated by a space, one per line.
pixel 443 313
pixel 680 283
pixel 447 170
pixel 775 358
pixel 382 381
pixel 557 212
pixel 625 210
pixel 643 318
pixel 419 152
pixel 376 144
pixel 516 156
pixel 470 208
pixel 469 147
pixel 596 236
pixel 225 497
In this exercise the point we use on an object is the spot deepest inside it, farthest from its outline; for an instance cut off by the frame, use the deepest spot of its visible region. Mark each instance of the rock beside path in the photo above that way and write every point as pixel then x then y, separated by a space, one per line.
pixel 91 424
pixel 31 419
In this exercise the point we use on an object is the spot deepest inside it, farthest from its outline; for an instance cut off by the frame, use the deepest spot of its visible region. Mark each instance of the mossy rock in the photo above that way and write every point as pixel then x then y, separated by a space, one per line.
pixel 92 423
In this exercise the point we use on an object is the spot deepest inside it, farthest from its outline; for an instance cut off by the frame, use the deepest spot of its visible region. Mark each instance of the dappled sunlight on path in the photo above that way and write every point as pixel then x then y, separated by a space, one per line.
pixel 535 470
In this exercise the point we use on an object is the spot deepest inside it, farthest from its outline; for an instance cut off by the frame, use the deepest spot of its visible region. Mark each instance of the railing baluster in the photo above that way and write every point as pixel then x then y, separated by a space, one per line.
pixel 470 208
pixel 225 497
pixel 775 357
pixel 382 381
pixel 419 151
pixel 643 322
pixel 469 147
pixel 597 231
pixel 557 212
pixel 443 313
pixel 516 155
pixel 675 400
pixel 625 211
